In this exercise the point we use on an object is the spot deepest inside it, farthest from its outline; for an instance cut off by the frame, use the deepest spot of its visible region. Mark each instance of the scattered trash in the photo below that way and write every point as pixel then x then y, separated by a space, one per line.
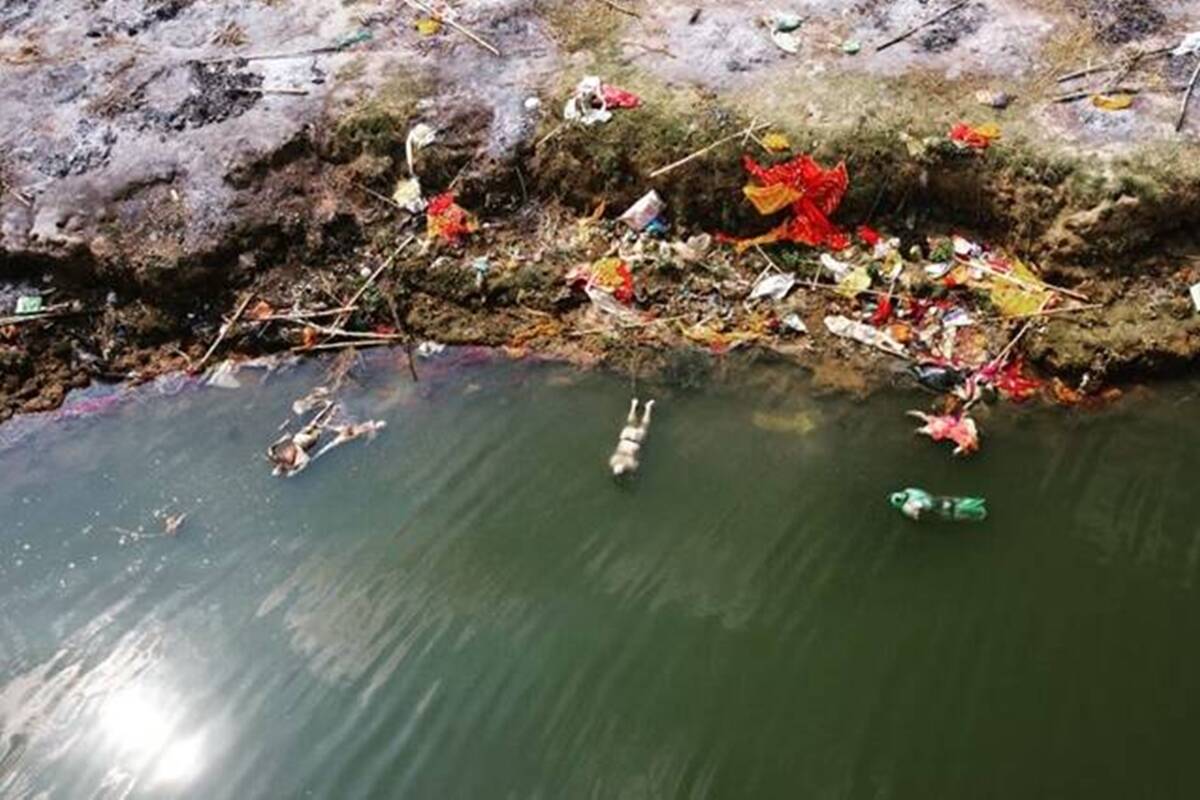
pixel 917 504
pixel 292 453
pixel 851 47
pixel 993 98
pixel 838 269
pixel 864 334
pixel 694 249
pixel 408 193
pixel 776 143
pixel 974 138
pixel 1195 293
pixel 618 98
pixel 938 377
pixel 812 193
pixel 624 459
pixel 429 349
pixel 959 429
pixel 592 100
pixel 448 221
pixel 428 26
pixel 612 275
pixel 783 27
pixel 1112 102
pixel 532 103
pixel 224 376
pixel 793 323
pixel 644 211
pixel 775 287
pixel 481 266
pixel 29 304
pixel 1189 46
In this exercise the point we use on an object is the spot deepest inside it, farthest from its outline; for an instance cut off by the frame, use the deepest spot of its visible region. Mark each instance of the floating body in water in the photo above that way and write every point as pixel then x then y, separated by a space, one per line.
pixel 918 504
pixel 625 458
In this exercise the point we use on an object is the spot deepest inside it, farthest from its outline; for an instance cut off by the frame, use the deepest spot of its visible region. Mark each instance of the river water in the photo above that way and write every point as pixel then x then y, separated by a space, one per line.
pixel 469 607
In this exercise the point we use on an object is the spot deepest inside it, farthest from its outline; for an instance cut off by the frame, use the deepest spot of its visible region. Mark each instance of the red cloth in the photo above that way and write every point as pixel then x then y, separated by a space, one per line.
pixel 883 313
pixel 822 192
pixel 624 292
pixel 619 98
pixel 447 220
pixel 870 237
pixel 965 134
pixel 1009 381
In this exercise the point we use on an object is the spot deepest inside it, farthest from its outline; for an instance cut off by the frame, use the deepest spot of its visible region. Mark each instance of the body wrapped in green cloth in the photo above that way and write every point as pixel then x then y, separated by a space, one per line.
pixel 920 505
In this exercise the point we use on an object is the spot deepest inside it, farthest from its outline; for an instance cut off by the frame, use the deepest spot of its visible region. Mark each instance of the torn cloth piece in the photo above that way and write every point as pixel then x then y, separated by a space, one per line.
pixel 949 428
pixel 775 287
pixel 1010 382
pixel 447 220
pixel 975 138
pixel 1189 46
pixel 1020 294
pixel 811 191
pixel 610 274
pixel 618 98
pixel 863 333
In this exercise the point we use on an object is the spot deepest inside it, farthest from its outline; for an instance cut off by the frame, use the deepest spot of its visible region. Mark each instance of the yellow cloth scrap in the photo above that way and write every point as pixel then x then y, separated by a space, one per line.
pixel 769 199
pixel 989 129
pixel 1112 102
pixel 428 26
pixel 1013 299
pixel 776 143
pixel 607 273
pixel 857 280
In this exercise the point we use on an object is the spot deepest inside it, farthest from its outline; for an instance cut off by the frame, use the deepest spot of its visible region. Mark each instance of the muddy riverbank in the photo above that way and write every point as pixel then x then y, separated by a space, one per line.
pixel 165 162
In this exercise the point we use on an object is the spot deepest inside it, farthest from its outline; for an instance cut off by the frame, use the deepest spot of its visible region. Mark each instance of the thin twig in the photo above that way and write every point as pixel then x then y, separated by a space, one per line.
pixel 341 320
pixel 378 337
pixel 621 8
pixel 342 345
pixel 381 197
pixel 650 48
pixel 300 316
pixel 1187 98
pixel 280 90
pixel 1117 63
pixel 225 329
pixel 465 31
pixel 1071 97
pixel 708 149
pixel 925 24
pixel 557 130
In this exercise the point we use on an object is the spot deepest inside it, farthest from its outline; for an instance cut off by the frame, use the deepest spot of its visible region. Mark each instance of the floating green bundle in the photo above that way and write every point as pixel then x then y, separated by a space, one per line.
pixel 919 505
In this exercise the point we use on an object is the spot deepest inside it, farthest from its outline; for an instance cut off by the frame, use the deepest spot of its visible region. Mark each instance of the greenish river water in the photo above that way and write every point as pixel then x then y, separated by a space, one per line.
pixel 469 607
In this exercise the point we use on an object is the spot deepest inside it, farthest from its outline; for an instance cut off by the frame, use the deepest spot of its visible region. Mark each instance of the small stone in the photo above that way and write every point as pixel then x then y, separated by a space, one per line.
pixel 533 104
pixel 993 99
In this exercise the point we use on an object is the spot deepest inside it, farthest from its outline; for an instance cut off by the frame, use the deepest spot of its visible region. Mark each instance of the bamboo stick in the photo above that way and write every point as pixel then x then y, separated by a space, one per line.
pixel 465 31
pixel 921 26
pixel 225 329
pixel 708 149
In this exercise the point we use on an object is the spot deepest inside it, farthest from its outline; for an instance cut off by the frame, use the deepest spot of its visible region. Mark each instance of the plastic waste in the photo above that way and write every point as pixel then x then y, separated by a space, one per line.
pixel 918 504
pixel 447 220
pixel 29 304
pixel 429 349
pixel 224 376
pixel 961 430
pixel 838 269
pixel 937 377
pixel 864 334
pixel 644 211
pixel 811 191
pixel 775 287
pixel 1195 293
pixel 851 47
pixel 793 323
pixel 1189 46
pixel 587 106
pixel 1112 102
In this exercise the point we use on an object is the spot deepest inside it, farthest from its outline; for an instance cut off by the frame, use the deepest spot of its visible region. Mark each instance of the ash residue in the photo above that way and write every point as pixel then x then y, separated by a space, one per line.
pixel 1123 21
pixel 947 32
pixel 87 150
pixel 217 92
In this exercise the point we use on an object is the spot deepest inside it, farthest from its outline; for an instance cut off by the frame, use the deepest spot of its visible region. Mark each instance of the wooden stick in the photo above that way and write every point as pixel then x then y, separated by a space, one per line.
pixel 280 90
pixel 1035 287
pixel 1187 98
pixel 1117 63
pixel 1048 313
pixel 342 345
pixel 417 4
pixel 621 8
pixel 225 329
pixel 1071 97
pixel 303 315
pixel 650 48
pixel 341 319
pixel 705 150
pixel 381 197
pixel 21 319
pixel 924 24
pixel 380 337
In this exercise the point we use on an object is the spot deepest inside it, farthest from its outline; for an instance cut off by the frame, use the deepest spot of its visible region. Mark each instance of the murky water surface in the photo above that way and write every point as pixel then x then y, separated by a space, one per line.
pixel 468 607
